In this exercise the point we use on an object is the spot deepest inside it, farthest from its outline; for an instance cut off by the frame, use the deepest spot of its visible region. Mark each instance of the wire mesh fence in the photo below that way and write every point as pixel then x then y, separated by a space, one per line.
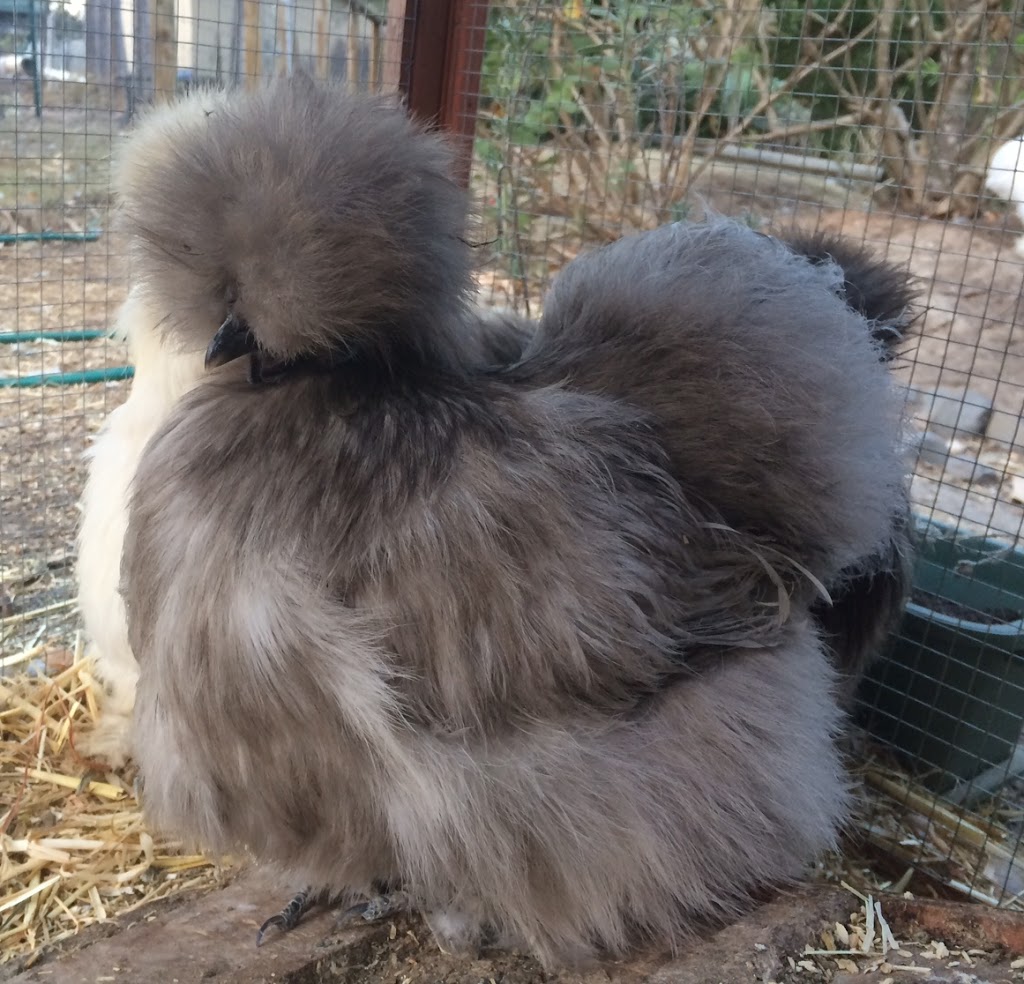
pixel 894 122
pixel 881 121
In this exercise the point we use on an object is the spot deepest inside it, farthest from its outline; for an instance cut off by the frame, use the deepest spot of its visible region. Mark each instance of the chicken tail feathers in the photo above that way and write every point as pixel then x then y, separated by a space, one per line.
pixel 878 290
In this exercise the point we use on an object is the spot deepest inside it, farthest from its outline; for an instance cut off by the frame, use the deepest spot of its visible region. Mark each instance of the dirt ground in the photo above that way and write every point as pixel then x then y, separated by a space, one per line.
pixel 804 935
pixel 54 180
pixel 969 339
pixel 44 431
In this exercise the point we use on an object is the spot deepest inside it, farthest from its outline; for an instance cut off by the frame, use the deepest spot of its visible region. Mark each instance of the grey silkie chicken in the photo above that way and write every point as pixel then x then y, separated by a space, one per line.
pixel 530 645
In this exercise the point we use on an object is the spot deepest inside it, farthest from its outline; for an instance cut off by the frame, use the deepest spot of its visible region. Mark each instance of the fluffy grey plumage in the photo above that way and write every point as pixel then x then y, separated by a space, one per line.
pixel 719 325
pixel 880 292
pixel 515 639
pixel 247 204
pixel 868 597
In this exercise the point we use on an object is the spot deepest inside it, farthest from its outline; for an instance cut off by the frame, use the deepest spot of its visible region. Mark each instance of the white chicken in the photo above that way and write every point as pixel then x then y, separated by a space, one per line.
pixel 162 375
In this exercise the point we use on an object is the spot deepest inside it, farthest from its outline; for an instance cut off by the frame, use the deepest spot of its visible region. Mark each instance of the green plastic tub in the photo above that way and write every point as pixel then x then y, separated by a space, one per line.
pixel 948 693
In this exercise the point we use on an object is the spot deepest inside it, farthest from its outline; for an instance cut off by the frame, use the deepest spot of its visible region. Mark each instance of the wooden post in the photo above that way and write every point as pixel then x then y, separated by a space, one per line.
pixel 118 60
pixel 36 56
pixel 281 44
pixel 236 67
pixel 352 60
pixel 165 49
pixel 97 40
pixel 393 45
pixel 461 93
pixel 252 42
pixel 375 34
pixel 142 91
pixel 434 59
pixel 322 32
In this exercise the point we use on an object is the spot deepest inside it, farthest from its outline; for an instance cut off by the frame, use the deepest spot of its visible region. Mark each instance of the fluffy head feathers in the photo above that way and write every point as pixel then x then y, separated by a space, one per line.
pixel 324 223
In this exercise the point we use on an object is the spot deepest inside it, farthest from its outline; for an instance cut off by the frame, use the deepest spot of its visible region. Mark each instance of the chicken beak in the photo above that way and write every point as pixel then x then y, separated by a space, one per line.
pixel 232 341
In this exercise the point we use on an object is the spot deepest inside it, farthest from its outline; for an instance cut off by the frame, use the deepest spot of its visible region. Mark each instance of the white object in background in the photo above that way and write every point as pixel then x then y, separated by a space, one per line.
pixel 1006 179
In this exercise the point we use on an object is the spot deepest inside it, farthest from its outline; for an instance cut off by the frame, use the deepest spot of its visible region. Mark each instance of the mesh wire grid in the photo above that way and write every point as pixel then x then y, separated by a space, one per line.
pixel 879 121
pixel 580 122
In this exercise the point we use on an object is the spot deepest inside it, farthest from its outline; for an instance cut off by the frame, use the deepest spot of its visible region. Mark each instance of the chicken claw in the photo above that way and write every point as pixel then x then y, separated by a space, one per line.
pixel 288 918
